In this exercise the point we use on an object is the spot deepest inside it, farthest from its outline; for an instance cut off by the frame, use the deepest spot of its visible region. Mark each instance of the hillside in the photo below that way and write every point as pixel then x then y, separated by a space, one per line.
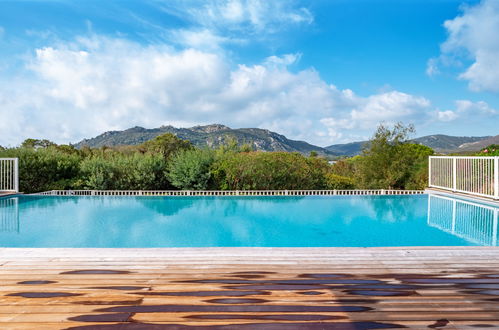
pixel 209 135
pixel 478 145
pixel 347 149
pixel 438 142
pixel 447 143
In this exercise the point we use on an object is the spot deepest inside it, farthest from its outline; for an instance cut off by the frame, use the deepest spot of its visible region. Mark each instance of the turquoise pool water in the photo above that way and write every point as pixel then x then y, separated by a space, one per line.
pixel 312 221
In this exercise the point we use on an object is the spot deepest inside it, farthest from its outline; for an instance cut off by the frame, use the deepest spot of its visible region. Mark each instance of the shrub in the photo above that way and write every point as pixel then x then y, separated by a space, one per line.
pixel 491 150
pixel 334 181
pixel 269 170
pixel 120 172
pixel 45 168
pixel 190 169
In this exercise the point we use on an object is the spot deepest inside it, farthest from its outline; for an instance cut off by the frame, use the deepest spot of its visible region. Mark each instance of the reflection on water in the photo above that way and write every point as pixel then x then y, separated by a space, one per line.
pixel 9 214
pixel 473 222
pixel 281 221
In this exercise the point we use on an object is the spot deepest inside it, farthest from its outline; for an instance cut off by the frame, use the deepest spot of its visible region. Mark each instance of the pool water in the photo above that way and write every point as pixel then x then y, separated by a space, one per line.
pixel 310 221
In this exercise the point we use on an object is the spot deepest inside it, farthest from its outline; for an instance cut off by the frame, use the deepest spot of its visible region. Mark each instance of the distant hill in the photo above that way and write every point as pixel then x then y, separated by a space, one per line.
pixel 347 149
pixel 209 135
pixel 447 143
pixel 438 142
pixel 478 145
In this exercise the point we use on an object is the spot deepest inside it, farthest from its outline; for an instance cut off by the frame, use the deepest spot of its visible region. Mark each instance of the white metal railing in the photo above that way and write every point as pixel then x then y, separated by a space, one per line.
pixel 473 222
pixel 227 192
pixel 9 174
pixel 471 175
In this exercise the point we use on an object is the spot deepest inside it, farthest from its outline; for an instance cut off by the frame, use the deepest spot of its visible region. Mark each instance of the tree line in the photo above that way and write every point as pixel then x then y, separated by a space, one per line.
pixel 389 161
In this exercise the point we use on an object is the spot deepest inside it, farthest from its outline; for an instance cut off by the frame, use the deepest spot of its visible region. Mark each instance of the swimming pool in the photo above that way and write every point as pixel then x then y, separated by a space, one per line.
pixel 284 221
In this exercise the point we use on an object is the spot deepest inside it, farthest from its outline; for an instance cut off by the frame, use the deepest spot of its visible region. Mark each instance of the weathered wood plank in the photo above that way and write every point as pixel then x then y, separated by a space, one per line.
pixel 308 288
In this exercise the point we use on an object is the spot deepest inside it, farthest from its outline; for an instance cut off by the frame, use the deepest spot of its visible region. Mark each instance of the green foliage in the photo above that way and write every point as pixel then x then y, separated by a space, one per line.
pixel 334 181
pixel 269 170
pixel 45 168
pixel 491 150
pixel 345 167
pixel 190 169
pixel 121 172
pixel 35 143
pixel 389 162
pixel 166 145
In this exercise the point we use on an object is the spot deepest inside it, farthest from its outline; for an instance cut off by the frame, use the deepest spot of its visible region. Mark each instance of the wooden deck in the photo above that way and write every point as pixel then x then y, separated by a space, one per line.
pixel 249 288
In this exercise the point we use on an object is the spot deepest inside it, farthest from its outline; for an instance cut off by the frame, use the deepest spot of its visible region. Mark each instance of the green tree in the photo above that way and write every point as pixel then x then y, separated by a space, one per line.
pixel 166 144
pixel 36 143
pixel 391 162
pixel 190 169
pixel 269 170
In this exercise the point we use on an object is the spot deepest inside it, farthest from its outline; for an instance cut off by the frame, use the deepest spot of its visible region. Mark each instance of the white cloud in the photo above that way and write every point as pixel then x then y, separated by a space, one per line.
pixel 250 15
pixel 285 60
pixel 474 36
pixel 475 108
pixel 468 110
pixel 432 67
pixel 96 84
pixel 447 115
pixel 215 23
pixel 389 107
pixel 202 39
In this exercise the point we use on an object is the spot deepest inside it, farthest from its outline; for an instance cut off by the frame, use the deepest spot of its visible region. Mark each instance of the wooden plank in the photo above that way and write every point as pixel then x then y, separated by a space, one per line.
pixel 412 287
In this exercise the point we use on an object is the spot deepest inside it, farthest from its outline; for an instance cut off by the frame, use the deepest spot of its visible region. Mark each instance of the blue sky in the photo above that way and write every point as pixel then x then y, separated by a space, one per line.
pixel 323 71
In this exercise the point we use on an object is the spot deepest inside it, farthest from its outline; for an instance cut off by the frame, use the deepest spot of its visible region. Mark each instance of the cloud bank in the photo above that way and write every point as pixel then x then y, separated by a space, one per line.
pixel 473 42
pixel 97 83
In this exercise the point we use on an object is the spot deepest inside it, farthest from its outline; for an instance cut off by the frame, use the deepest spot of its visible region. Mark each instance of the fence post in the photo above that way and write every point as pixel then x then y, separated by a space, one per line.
pixel 16 174
pixel 496 178
pixel 454 173
pixel 429 171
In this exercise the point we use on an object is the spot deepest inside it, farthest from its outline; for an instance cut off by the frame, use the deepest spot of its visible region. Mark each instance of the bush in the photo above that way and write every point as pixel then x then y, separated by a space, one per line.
pixel 491 150
pixel 120 172
pixel 45 168
pixel 190 169
pixel 269 170
pixel 334 181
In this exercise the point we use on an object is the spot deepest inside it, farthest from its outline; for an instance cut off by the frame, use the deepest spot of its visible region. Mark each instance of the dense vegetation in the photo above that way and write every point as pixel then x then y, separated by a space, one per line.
pixel 388 161
pixel 491 150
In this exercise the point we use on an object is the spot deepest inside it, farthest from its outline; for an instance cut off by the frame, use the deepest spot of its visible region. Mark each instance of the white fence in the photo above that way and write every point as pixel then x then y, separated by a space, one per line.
pixel 471 175
pixel 9 175
pixel 227 192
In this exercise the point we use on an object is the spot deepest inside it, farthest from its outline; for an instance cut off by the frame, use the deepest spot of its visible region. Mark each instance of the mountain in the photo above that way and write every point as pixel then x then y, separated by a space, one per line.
pixel 439 143
pixel 478 145
pixel 209 135
pixel 447 143
pixel 347 149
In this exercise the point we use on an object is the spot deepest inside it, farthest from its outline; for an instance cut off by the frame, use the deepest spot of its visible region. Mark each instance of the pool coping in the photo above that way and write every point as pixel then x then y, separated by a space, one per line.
pixel 457 195
pixel 214 252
